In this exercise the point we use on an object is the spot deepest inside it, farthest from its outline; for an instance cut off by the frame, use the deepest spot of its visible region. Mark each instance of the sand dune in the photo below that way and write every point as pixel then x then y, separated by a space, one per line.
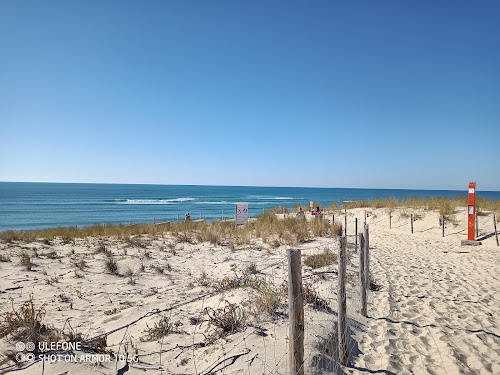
pixel 437 310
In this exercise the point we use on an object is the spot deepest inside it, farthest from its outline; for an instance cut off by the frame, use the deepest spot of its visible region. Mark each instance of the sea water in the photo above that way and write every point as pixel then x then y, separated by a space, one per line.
pixel 26 205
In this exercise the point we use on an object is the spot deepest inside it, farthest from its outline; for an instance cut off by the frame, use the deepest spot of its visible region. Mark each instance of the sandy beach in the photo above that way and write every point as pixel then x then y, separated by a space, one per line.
pixel 435 307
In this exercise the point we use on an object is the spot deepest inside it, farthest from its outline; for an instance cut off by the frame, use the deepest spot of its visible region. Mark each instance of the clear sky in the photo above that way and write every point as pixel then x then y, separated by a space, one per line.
pixel 376 94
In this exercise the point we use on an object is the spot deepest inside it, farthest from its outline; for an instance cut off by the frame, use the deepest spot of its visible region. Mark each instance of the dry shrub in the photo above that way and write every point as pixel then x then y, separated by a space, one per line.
pixel 270 300
pixel 312 297
pixel 391 203
pixel 320 227
pixel 360 203
pixel 251 268
pixel 320 260
pixel 79 263
pixel 414 202
pixel 161 328
pixel 25 260
pixel 101 249
pixel 404 215
pixel 27 316
pixel 446 207
pixel 377 203
pixel 224 321
pixel 111 266
pixel 334 206
pixel 4 258
pixel 107 230
pixel 309 294
pixel 337 230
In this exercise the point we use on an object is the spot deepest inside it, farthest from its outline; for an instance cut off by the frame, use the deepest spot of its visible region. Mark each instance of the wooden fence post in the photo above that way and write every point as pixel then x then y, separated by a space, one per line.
pixel 295 312
pixel 345 225
pixel 495 226
pixel 365 216
pixel 222 215
pixel 367 255
pixel 177 218
pixel 442 221
pixel 341 296
pixel 333 219
pixel 154 220
pixel 356 233
pixel 390 220
pixel 411 222
pixel 362 278
pixel 477 229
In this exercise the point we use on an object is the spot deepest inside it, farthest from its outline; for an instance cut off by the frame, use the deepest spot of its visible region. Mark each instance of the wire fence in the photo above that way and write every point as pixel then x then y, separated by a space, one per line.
pixel 242 325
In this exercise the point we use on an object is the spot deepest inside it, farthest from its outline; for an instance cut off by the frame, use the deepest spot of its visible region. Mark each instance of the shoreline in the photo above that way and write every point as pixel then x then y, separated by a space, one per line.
pixel 446 206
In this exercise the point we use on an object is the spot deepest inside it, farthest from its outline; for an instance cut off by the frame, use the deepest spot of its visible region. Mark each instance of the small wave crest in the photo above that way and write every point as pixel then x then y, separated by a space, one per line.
pixel 270 198
pixel 153 201
pixel 216 202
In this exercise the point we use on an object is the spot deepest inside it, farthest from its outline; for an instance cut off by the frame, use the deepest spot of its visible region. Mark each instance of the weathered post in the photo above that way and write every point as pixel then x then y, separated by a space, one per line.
pixel 356 233
pixel 222 215
pixel 295 312
pixel 362 278
pixel 477 229
pixel 411 222
pixel 365 216
pixel 442 221
pixel 342 327
pixel 390 220
pixel 333 219
pixel 177 218
pixel 495 226
pixel 367 255
pixel 154 220
pixel 345 225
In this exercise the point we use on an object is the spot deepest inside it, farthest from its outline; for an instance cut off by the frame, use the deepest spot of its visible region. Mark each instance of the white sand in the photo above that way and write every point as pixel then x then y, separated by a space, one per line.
pixel 437 312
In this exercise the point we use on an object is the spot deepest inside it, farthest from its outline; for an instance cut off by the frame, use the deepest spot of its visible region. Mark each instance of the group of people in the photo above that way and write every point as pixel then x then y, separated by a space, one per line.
pixel 314 212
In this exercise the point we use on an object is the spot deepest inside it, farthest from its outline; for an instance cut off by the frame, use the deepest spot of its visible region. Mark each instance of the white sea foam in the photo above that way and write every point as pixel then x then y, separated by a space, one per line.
pixel 156 201
pixel 216 202
pixel 272 198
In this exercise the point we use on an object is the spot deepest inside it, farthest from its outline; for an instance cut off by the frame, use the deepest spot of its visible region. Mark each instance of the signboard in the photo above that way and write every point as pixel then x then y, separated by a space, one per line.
pixel 241 213
pixel 471 211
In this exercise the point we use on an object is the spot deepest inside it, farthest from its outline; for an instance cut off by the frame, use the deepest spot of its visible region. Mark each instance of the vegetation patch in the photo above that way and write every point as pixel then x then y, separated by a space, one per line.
pixel 161 328
pixel 224 321
pixel 320 260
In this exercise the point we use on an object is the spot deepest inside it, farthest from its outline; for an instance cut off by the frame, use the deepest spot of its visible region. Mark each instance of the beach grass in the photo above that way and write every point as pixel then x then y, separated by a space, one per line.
pixel 291 229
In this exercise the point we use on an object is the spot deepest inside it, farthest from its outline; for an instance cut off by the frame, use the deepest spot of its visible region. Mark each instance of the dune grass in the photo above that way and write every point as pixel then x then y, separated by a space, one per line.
pixel 288 231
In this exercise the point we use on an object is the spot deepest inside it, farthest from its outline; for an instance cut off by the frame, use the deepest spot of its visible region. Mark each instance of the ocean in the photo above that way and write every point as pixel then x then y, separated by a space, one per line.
pixel 27 205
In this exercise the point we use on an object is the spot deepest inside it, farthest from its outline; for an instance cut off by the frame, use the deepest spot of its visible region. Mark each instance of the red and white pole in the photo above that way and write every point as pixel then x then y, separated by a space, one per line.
pixel 471 211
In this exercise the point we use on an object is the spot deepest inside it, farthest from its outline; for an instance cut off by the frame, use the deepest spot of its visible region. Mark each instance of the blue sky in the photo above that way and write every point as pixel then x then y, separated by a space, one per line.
pixel 376 94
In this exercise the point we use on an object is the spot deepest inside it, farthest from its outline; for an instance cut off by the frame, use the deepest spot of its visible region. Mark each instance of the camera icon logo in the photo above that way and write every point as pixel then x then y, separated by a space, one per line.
pixel 19 357
pixel 30 346
pixel 20 346
pixel 30 357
